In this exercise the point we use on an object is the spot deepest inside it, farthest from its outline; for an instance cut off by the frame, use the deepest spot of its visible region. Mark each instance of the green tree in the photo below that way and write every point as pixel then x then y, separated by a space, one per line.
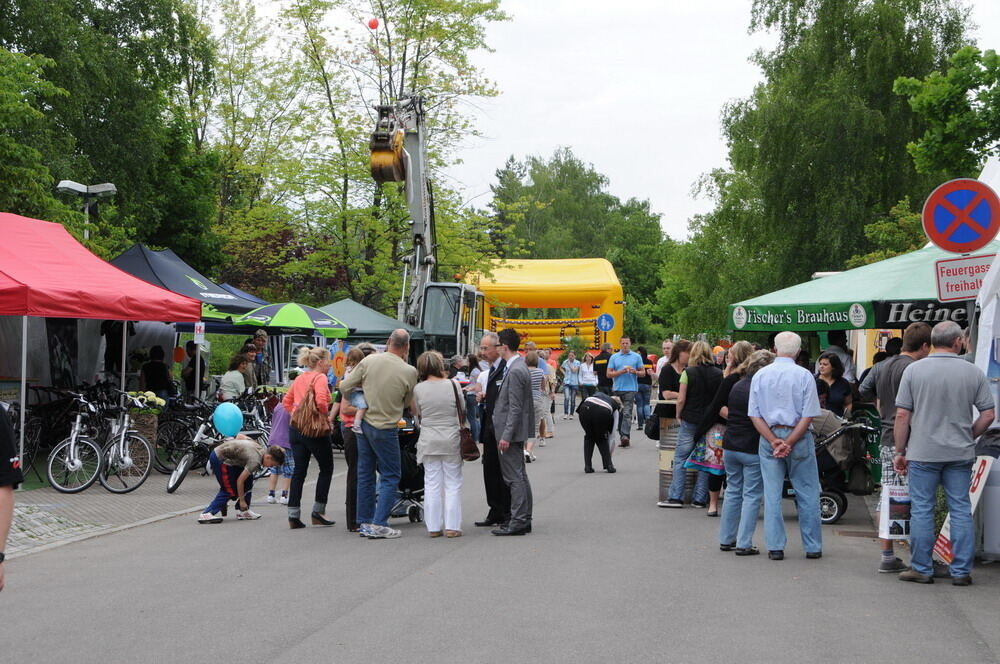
pixel 961 107
pixel 25 181
pixel 899 233
pixel 817 153
pixel 121 63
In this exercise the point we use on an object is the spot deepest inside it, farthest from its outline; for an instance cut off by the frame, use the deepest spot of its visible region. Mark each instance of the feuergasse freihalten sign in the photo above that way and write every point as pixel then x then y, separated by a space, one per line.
pixel 961 278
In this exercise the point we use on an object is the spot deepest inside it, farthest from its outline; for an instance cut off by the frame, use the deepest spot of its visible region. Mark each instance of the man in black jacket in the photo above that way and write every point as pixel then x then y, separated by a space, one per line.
pixel 497 493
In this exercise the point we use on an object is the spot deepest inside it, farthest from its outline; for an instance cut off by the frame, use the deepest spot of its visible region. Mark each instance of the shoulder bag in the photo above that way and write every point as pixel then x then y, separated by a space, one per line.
pixel 307 419
pixel 468 447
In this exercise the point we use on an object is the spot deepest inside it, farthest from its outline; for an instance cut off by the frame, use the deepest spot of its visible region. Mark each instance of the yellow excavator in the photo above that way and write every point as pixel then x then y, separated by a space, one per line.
pixel 450 314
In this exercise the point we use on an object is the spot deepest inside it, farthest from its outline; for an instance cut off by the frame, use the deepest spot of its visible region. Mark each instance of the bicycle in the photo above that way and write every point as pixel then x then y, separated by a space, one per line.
pixel 127 455
pixel 75 463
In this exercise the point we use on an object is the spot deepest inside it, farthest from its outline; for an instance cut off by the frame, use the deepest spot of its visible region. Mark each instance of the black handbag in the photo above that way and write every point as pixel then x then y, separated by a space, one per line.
pixel 652 428
pixel 467 446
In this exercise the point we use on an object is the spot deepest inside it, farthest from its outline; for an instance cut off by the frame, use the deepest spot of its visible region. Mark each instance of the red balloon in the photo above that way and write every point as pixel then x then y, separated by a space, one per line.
pixel 373 23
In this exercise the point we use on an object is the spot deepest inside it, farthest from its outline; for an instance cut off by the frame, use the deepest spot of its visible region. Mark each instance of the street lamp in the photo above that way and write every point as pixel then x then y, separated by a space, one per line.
pixel 90 195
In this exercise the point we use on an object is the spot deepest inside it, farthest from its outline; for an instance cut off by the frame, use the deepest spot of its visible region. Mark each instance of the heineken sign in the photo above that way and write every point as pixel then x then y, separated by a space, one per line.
pixel 844 316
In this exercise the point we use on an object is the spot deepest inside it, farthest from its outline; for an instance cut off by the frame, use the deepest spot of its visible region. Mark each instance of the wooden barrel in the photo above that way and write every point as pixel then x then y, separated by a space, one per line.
pixel 669 427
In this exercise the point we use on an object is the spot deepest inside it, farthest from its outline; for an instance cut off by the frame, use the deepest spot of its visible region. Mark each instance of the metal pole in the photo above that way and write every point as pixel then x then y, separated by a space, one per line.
pixel 197 370
pixel 24 385
pixel 86 220
pixel 124 353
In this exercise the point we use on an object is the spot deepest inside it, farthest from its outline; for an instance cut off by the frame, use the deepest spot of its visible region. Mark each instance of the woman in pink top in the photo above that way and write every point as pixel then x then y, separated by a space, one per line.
pixel 318 362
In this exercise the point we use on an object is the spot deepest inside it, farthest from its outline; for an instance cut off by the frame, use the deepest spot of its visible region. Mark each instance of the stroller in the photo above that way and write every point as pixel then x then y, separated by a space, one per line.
pixel 410 494
pixel 843 462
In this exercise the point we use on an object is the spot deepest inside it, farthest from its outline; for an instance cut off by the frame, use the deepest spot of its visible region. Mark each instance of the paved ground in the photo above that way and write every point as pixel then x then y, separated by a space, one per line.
pixel 606 576
pixel 45 518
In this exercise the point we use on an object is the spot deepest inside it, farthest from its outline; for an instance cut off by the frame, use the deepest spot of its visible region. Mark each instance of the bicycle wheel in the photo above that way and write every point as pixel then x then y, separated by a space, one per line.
pixel 73 475
pixel 172 439
pixel 122 473
pixel 180 472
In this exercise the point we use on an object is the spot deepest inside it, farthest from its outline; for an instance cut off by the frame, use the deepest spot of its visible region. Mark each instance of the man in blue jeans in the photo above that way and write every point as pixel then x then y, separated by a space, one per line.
pixel 625 367
pixel 935 445
pixel 783 403
pixel 388 382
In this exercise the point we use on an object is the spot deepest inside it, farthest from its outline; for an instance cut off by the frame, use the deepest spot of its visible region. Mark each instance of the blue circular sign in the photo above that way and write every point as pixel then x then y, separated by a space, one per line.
pixel 605 322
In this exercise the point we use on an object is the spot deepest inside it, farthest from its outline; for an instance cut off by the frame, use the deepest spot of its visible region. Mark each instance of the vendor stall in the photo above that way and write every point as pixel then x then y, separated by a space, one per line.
pixel 889 294
pixel 46 273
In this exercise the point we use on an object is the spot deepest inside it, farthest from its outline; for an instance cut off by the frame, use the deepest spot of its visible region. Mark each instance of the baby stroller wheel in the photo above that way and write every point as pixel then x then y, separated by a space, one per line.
pixel 415 513
pixel 832 505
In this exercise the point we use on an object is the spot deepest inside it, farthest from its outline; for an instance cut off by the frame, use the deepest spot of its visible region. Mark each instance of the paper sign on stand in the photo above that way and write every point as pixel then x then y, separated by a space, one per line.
pixel 199 333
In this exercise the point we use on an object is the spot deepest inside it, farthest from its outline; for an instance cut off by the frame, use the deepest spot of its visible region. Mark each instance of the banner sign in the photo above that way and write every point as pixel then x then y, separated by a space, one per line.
pixel 898 314
pixel 847 316
pixel 980 471
pixel 844 316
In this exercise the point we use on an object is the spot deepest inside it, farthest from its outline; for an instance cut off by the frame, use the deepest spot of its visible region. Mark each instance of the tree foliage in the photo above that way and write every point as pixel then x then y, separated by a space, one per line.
pixel 961 107
pixel 817 153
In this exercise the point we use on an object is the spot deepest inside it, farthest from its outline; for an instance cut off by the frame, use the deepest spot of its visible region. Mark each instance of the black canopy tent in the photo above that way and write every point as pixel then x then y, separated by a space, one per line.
pixel 167 270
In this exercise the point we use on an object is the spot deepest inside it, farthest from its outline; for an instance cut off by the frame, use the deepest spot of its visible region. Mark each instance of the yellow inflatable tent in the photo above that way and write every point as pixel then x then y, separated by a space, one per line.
pixel 587 284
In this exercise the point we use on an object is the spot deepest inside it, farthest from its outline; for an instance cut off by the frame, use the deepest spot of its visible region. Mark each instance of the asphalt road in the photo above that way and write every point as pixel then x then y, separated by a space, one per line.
pixel 605 577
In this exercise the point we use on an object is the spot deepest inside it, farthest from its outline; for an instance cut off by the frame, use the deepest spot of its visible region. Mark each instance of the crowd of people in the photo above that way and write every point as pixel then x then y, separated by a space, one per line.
pixel 754 408
pixel 742 417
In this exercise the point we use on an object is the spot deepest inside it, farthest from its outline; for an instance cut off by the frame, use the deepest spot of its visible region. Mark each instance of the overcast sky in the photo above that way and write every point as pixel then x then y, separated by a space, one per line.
pixel 634 89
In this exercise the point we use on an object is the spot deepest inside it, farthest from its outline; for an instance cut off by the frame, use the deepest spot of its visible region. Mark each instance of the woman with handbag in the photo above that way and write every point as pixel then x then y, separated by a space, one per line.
pixel 713 426
pixel 308 403
pixel 698 384
pixel 437 402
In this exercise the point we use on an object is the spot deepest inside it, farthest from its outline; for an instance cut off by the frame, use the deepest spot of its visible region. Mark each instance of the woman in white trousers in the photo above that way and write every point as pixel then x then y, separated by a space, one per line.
pixel 437 402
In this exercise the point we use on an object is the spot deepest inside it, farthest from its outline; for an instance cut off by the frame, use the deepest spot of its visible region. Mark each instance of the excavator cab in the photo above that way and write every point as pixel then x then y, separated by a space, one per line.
pixel 387 163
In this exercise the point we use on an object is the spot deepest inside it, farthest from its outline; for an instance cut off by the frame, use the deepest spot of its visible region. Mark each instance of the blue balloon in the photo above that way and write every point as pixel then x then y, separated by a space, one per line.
pixel 228 419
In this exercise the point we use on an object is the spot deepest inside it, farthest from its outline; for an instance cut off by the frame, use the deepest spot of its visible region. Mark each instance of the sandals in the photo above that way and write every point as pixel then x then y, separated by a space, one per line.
pixel 453 533
pixel 434 533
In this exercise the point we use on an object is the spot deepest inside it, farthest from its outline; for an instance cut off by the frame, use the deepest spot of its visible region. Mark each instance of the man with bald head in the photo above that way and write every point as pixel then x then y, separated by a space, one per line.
pixel 935 438
pixel 783 403
pixel 388 382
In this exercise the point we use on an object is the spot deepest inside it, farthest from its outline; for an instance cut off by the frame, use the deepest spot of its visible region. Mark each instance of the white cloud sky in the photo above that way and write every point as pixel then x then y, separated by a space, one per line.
pixel 634 88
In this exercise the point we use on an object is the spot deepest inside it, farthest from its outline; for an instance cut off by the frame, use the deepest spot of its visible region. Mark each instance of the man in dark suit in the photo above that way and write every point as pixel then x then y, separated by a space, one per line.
pixel 497 494
pixel 513 424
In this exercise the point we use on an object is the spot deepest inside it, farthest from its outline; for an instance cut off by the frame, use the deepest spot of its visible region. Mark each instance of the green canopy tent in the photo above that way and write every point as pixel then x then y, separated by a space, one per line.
pixel 367 324
pixel 889 294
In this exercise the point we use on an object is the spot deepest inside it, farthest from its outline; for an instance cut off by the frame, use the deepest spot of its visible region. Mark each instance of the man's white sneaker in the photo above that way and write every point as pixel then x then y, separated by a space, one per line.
pixel 383 532
pixel 271 500
pixel 283 500
pixel 208 517
pixel 365 530
pixel 248 515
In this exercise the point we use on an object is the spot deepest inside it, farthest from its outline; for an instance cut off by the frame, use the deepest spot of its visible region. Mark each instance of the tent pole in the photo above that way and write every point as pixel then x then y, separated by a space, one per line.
pixel 197 370
pixel 124 354
pixel 24 387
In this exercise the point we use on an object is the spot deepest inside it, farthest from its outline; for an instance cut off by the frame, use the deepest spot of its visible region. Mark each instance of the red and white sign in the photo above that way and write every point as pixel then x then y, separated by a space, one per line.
pixel 199 332
pixel 961 278
pixel 980 471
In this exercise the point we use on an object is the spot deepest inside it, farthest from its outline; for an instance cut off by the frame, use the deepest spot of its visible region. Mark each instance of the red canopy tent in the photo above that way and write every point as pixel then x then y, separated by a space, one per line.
pixel 45 272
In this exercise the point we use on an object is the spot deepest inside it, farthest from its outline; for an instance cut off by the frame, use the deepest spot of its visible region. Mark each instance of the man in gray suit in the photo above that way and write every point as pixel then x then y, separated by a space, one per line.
pixel 514 423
